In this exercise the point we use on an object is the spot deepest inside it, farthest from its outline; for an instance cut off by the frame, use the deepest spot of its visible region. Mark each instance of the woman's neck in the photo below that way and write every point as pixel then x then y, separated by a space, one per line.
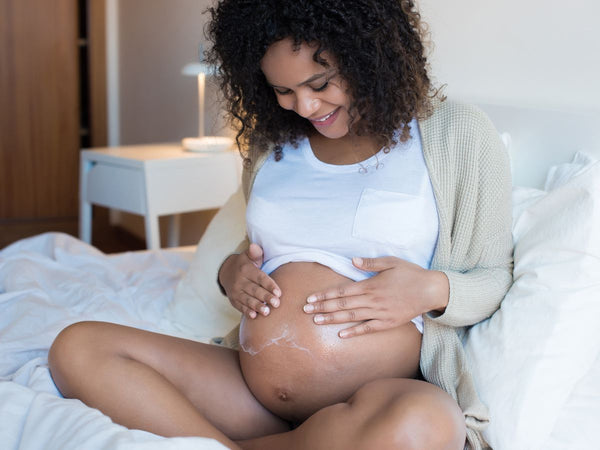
pixel 349 149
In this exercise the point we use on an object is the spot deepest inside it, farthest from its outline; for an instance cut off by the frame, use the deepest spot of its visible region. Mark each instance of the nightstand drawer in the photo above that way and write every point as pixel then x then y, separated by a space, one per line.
pixel 200 184
pixel 116 187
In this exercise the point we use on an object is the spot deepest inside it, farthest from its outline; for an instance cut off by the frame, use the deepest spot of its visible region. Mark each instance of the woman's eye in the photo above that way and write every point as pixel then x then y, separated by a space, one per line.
pixel 289 91
pixel 322 88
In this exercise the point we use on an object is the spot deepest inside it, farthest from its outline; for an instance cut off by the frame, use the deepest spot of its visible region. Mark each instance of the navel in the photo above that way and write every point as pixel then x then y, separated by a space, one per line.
pixel 283 395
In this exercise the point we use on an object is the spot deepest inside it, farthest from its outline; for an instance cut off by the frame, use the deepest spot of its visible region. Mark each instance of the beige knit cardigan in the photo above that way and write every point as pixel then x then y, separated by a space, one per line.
pixel 470 174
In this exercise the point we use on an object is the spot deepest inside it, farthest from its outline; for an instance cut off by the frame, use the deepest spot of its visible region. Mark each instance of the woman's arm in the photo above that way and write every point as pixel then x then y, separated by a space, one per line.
pixel 476 254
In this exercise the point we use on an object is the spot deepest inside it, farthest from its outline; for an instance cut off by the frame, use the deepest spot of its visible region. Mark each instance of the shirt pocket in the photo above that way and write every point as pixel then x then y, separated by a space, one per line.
pixel 391 218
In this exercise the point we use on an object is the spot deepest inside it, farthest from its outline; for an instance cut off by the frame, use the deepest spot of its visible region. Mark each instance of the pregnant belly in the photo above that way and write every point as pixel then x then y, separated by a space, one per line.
pixel 295 367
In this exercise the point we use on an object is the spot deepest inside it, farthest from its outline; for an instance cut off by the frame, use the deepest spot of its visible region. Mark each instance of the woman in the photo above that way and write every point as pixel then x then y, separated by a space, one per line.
pixel 376 213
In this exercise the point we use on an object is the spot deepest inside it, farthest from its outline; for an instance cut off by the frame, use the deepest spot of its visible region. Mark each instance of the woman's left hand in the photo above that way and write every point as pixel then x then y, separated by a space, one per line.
pixel 399 292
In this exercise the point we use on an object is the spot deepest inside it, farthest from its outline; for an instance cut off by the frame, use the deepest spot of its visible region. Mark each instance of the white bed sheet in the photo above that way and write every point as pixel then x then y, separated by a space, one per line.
pixel 46 283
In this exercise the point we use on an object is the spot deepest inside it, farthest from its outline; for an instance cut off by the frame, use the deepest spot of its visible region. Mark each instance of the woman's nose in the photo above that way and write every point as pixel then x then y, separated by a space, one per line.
pixel 307 105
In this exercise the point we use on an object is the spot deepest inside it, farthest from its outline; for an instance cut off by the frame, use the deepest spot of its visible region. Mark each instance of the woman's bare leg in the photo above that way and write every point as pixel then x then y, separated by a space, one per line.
pixel 158 383
pixel 390 413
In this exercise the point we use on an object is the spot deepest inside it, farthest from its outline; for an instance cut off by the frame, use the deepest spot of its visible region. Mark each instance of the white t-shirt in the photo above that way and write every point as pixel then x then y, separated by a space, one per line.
pixel 302 209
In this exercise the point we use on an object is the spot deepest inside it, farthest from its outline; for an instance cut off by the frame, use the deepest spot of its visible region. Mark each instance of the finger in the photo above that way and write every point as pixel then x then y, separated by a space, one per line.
pixel 351 315
pixel 255 253
pixel 255 304
pixel 343 290
pixel 254 288
pixel 256 276
pixel 268 284
pixel 244 309
pixel 336 304
pixel 368 327
pixel 375 264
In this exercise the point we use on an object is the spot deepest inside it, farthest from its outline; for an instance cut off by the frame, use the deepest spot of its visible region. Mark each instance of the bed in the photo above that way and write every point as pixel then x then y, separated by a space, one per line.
pixel 547 325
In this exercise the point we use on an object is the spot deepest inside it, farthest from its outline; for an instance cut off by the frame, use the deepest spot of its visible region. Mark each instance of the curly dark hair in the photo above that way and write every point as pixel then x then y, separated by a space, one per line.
pixel 379 50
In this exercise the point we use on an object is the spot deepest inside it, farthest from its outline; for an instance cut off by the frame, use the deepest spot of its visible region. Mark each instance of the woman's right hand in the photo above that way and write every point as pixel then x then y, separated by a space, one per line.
pixel 248 288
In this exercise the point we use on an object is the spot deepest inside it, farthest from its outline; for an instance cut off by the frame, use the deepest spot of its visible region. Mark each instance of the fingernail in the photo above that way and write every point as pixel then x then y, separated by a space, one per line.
pixel 311 299
pixel 319 319
pixel 277 292
pixel 344 333
pixel 264 310
pixel 275 302
pixel 358 261
pixel 252 314
pixel 309 308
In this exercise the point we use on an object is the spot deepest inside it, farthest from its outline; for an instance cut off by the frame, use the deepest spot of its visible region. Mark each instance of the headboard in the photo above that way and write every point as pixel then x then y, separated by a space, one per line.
pixel 543 138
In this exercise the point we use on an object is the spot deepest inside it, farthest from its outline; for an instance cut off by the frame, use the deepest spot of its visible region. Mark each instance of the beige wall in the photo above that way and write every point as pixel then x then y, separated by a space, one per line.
pixel 155 39
pixel 542 53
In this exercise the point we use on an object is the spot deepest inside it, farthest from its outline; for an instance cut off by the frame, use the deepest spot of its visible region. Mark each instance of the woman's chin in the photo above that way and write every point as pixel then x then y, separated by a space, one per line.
pixel 332 132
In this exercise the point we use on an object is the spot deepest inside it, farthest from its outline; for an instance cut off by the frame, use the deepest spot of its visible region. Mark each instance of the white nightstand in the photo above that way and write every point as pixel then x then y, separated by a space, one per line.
pixel 154 180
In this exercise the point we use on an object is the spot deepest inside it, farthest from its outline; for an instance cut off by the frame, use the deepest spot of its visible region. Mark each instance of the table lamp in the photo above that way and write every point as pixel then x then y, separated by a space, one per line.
pixel 203 143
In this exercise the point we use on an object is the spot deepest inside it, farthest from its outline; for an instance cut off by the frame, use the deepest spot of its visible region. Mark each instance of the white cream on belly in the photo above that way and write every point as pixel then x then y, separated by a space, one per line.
pixel 286 339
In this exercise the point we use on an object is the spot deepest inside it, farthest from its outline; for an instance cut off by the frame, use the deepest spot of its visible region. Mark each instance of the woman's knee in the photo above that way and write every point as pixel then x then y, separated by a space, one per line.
pixel 72 351
pixel 428 420
pixel 70 342
pixel 410 414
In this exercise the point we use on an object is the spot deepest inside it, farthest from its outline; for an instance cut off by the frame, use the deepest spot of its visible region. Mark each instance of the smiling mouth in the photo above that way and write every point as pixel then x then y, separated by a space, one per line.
pixel 324 118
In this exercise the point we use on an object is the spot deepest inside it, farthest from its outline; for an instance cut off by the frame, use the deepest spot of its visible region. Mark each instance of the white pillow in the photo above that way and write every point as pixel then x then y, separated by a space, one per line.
pixel 561 174
pixel 528 357
pixel 198 309
pixel 577 423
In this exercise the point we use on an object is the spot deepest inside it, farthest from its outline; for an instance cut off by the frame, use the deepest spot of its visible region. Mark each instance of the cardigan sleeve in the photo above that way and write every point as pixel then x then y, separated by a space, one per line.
pixel 480 261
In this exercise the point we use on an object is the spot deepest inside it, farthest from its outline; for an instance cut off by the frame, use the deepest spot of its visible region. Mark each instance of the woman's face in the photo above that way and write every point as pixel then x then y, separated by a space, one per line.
pixel 313 91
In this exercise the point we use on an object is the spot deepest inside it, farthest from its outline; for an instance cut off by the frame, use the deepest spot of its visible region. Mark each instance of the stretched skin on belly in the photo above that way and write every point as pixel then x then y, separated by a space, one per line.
pixel 295 367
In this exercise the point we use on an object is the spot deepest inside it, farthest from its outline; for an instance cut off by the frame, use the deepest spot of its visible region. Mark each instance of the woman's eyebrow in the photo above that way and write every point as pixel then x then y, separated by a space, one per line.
pixel 307 81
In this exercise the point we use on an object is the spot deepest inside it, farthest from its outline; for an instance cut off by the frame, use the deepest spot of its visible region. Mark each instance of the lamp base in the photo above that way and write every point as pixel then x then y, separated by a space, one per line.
pixel 208 144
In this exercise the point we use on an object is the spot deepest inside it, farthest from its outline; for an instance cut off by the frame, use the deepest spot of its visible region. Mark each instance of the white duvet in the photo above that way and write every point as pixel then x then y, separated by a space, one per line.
pixel 46 283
